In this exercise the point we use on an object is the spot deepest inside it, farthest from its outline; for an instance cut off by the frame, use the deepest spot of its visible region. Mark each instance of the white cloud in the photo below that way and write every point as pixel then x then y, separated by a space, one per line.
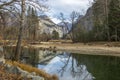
pixel 66 6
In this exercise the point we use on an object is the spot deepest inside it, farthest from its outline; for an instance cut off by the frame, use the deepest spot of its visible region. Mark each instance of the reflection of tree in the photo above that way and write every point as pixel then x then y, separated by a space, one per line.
pixel 62 70
pixel 76 69
pixel 72 65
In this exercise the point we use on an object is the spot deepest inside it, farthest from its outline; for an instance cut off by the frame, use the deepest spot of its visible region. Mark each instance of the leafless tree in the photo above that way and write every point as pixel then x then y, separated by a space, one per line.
pixel 65 26
pixel 72 19
pixel 6 3
pixel 34 4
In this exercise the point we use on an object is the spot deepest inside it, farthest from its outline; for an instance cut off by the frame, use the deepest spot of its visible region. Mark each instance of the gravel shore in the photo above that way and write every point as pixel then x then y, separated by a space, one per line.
pixel 82 49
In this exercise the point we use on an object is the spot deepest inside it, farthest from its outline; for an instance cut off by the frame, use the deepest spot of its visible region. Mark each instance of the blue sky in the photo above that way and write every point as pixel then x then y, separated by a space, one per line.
pixel 66 7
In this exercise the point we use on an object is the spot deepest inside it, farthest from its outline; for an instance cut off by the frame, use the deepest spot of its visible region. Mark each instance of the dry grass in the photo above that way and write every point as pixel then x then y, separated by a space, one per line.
pixel 32 69
pixel 12 42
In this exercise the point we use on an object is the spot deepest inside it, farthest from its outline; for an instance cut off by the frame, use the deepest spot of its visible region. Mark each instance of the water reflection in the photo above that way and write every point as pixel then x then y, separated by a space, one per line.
pixel 66 68
pixel 85 67
pixel 71 66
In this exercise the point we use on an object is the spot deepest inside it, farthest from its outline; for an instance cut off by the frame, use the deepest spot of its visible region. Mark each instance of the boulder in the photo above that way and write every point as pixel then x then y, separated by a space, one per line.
pixel 2 60
pixel 32 75
pixel 23 73
pixel 11 69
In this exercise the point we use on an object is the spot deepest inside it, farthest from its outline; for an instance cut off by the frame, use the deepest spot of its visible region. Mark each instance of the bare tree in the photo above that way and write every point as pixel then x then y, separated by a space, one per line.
pixel 18 47
pixel 34 4
pixel 65 26
pixel 72 19
pixel 6 3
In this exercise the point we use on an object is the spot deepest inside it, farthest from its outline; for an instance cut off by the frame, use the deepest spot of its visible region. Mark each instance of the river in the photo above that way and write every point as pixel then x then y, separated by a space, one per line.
pixel 71 66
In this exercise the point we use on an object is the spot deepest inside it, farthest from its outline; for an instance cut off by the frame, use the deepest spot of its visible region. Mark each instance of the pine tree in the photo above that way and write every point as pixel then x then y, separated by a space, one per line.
pixel 32 22
pixel 55 35
pixel 114 19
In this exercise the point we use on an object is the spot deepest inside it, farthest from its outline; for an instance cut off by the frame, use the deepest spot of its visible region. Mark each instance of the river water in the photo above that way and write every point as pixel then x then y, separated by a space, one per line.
pixel 72 66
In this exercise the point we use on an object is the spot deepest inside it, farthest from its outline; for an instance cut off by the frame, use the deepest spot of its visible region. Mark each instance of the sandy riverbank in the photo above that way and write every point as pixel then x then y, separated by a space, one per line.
pixel 82 49
pixel 94 48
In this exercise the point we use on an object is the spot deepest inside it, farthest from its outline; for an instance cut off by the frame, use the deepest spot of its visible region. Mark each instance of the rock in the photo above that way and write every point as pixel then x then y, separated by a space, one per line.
pixel 37 78
pixel 1 49
pixel 32 75
pixel 11 69
pixel 24 74
pixel 46 25
pixel 2 60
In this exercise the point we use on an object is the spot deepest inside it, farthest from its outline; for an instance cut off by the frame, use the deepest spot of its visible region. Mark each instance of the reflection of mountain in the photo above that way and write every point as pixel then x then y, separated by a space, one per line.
pixel 102 67
pixel 67 69
pixel 48 26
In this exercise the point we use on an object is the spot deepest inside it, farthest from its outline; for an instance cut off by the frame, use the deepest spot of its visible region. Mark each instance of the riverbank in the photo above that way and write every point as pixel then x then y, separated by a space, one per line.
pixel 91 49
pixel 18 71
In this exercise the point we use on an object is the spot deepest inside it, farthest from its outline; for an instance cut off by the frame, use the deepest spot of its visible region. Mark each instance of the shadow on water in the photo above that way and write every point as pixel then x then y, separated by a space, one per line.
pixel 71 66
pixel 28 55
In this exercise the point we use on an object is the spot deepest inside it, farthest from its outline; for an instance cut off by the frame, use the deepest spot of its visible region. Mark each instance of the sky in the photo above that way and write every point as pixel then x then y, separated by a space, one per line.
pixel 66 7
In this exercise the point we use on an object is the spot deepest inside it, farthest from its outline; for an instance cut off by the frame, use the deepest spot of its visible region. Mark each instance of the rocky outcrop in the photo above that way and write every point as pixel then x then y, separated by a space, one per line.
pixel 95 15
pixel 87 20
pixel 46 25
pixel 24 74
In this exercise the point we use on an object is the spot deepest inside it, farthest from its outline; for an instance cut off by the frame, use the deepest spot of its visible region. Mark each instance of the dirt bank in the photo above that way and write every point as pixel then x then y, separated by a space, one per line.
pixel 92 49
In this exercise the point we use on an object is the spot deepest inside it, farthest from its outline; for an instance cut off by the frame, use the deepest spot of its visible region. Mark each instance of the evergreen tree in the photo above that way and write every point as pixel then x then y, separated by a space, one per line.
pixel 114 19
pixel 55 35
pixel 32 22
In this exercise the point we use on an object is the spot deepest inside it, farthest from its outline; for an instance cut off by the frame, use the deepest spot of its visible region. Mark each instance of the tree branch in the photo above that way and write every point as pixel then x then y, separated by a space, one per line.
pixel 8 3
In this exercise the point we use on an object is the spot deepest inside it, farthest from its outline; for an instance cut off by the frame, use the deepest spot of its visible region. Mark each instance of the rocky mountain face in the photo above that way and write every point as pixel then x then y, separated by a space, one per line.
pixel 95 15
pixel 46 25
pixel 92 26
pixel 87 20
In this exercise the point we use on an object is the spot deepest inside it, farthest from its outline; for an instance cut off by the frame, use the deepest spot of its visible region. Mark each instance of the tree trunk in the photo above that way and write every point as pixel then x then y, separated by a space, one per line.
pixel 116 36
pixel 34 35
pixel 106 12
pixel 18 46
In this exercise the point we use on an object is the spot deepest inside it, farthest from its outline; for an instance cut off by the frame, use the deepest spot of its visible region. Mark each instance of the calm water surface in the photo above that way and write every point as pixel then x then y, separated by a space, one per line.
pixel 72 66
